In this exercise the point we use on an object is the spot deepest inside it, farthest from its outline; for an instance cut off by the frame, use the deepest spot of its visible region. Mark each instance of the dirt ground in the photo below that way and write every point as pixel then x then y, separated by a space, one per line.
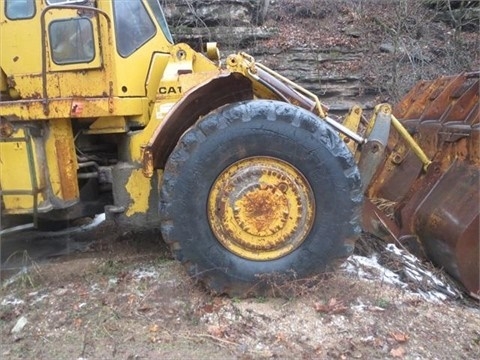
pixel 125 298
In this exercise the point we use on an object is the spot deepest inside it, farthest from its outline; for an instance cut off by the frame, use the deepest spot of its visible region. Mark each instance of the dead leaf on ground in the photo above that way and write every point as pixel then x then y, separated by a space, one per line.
pixel 281 337
pixel 332 307
pixel 145 308
pixel 398 352
pixel 131 299
pixel 217 331
pixel 152 339
pixel 399 337
pixel 153 328
pixel 212 307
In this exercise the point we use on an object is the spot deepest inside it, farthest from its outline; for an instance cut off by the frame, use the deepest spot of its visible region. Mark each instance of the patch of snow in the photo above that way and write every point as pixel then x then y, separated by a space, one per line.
pixel 37 296
pixel 97 220
pixel 11 300
pixel 60 292
pixel 148 273
pixel 416 272
pixel 39 299
pixel 19 325
pixel 430 287
pixel 95 288
pixel 360 307
pixel 370 269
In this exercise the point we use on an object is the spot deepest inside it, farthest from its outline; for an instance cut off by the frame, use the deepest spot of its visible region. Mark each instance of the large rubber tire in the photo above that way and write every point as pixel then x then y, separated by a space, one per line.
pixel 268 129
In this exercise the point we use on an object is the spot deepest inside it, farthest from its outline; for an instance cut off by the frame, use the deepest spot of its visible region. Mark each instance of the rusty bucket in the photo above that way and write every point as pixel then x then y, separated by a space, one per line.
pixel 439 205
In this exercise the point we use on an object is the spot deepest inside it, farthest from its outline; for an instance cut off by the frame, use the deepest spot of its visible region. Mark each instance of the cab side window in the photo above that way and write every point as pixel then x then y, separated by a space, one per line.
pixel 19 9
pixel 71 41
pixel 160 16
pixel 133 25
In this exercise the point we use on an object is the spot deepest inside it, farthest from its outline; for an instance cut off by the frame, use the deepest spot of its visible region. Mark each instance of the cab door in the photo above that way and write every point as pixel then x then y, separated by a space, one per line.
pixel 74 63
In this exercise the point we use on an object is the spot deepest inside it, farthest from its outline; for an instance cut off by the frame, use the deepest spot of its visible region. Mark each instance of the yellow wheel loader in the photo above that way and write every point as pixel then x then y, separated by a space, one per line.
pixel 243 171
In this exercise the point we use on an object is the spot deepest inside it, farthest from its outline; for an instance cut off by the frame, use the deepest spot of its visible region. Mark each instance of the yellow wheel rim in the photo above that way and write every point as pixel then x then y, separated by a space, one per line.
pixel 261 208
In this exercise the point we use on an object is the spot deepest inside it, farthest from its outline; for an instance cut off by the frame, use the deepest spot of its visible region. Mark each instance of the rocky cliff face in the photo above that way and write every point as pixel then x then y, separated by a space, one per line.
pixel 344 51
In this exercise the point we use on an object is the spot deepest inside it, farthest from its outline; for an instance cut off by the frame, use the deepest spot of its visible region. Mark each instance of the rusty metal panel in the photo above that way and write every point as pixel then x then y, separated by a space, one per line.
pixel 68 170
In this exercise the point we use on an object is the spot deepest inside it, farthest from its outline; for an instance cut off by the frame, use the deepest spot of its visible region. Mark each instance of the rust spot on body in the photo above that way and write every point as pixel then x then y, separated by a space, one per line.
pixel 68 172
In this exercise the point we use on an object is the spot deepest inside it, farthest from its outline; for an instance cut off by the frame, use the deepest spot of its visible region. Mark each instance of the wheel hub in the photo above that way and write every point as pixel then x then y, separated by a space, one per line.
pixel 261 208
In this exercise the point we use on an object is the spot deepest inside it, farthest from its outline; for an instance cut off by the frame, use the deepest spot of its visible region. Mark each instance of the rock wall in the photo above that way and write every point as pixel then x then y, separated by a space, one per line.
pixel 339 60
pixel 233 23
pixel 237 25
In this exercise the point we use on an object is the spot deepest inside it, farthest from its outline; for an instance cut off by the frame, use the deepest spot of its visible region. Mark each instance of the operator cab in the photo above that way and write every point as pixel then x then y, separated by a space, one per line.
pixel 73 35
